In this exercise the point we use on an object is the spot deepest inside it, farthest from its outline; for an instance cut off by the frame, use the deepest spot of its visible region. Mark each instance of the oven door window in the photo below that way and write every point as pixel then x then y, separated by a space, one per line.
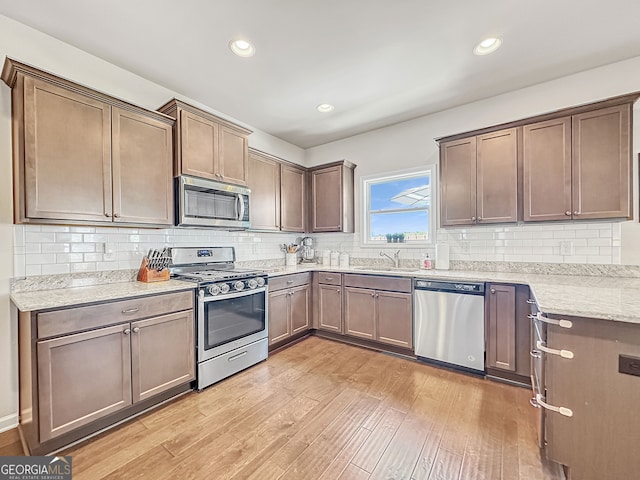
pixel 233 318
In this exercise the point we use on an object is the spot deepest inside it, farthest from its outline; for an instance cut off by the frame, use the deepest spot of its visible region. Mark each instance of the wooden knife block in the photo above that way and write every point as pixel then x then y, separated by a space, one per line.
pixel 148 275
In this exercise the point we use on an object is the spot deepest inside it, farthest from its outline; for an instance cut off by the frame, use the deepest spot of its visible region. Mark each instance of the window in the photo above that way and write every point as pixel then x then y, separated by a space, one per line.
pixel 398 208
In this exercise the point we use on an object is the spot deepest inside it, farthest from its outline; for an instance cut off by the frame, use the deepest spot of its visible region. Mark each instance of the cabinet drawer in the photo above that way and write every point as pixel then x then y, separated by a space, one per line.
pixel 288 281
pixel 377 282
pixel 329 278
pixel 70 320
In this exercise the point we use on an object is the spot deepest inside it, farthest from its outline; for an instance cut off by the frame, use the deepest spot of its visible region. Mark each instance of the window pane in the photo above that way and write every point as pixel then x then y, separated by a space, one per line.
pixel 410 192
pixel 414 225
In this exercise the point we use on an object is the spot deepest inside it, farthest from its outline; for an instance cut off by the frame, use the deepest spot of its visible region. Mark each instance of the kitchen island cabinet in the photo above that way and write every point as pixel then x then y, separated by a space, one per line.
pixel 81 156
pixel 589 390
pixel 85 368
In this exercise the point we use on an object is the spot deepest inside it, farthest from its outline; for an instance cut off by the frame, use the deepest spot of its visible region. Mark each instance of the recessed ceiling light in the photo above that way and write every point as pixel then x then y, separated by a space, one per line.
pixel 325 107
pixel 487 46
pixel 242 48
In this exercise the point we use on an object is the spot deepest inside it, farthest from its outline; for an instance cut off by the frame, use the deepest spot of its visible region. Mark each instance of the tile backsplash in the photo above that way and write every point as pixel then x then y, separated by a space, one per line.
pixel 47 250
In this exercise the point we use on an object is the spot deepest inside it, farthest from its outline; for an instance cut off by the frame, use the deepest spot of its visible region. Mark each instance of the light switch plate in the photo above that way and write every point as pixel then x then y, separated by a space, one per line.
pixel 566 247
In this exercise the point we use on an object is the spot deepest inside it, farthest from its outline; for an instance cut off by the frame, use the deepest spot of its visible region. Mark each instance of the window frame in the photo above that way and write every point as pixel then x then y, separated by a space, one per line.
pixel 365 211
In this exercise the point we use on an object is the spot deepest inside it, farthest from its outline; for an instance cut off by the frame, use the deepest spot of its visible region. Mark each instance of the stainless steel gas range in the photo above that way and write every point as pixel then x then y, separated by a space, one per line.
pixel 232 319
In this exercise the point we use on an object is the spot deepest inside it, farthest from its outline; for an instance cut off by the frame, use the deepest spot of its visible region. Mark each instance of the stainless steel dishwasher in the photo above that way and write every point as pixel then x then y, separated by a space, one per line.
pixel 449 323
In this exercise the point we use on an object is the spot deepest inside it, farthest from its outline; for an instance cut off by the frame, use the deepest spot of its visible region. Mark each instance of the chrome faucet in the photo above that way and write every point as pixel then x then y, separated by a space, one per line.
pixel 395 259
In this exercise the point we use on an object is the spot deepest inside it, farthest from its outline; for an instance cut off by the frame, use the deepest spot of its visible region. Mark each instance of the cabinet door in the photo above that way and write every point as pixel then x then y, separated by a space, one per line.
pixel 497 181
pixel 67 154
pixel 279 314
pixel 264 182
pixel 198 146
pixel 360 312
pixel 601 163
pixel 395 319
pixel 82 377
pixel 458 182
pixel 547 170
pixel 292 198
pixel 501 336
pixel 330 308
pixel 142 169
pixel 299 309
pixel 162 353
pixel 233 155
pixel 326 199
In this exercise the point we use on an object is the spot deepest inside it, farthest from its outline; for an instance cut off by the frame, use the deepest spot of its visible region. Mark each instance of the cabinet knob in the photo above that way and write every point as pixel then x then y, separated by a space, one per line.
pixel 479 219
pixel 338 290
pixel 107 214
pixel 493 290
pixel 136 329
pixel 568 213
pixel 575 212
pixel 473 219
pixel 127 331
pixel 116 215
pixel 373 294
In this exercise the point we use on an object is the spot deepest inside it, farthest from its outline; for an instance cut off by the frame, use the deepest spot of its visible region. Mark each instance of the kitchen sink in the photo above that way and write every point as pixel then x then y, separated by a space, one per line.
pixel 387 269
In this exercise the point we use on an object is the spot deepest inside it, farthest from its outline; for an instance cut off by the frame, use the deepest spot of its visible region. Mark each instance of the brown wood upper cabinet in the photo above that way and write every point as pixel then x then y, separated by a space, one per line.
pixel 208 146
pixel 81 156
pixel 293 198
pixel 578 167
pixel 479 179
pixel 332 198
pixel 264 182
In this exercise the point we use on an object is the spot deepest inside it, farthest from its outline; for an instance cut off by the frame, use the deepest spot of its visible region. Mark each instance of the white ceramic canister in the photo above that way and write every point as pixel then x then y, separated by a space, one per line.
pixel 344 260
pixel 335 259
pixel 326 256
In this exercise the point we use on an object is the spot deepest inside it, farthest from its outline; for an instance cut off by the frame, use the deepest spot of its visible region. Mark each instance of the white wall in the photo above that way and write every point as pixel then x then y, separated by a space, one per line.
pixel 30 46
pixel 410 144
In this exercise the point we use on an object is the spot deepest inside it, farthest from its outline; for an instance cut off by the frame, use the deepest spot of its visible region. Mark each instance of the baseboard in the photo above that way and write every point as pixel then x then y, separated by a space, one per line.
pixel 8 422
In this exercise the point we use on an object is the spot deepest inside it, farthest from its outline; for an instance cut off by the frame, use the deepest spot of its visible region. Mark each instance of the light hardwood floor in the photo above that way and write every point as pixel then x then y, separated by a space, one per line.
pixel 322 409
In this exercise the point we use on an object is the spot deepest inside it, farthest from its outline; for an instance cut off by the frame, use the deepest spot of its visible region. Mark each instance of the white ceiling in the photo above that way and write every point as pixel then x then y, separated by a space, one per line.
pixel 378 61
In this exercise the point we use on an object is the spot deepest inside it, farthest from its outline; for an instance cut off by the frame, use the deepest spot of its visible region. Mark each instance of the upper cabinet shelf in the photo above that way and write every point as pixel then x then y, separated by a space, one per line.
pixel 565 165
pixel 208 146
pixel 81 156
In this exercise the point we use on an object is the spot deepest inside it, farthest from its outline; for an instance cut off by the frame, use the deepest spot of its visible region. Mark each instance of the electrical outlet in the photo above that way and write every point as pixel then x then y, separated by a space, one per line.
pixel 109 252
pixel 466 247
pixel 566 247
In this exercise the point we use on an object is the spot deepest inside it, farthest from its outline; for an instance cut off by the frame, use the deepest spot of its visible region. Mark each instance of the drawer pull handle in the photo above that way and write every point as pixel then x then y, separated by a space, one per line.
pixel 289 282
pixel 235 357
pixel 562 353
pixel 131 310
pixel 553 321
pixel 535 354
pixel 126 331
pixel 531 301
pixel 328 279
pixel 567 412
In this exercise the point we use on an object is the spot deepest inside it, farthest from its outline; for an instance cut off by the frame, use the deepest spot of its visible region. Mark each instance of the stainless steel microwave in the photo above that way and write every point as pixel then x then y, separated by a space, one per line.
pixel 206 203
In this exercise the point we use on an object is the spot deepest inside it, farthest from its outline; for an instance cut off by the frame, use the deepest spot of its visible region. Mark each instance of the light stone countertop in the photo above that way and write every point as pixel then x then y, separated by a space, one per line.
pixel 72 296
pixel 607 298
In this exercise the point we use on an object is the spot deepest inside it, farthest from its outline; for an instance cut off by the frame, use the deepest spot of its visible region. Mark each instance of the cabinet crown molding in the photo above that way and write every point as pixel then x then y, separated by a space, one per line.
pixel 13 68
pixel 629 98
pixel 171 107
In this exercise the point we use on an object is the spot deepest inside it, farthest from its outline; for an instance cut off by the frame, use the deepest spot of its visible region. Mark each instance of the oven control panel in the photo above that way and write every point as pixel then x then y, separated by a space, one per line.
pixel 222 288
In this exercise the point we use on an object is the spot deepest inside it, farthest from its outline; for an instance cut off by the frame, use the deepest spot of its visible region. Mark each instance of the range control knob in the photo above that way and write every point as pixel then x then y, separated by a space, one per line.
pixel 224 288
pixel 239 285
pixel 214 289
pixel 252 283
pixel 260 281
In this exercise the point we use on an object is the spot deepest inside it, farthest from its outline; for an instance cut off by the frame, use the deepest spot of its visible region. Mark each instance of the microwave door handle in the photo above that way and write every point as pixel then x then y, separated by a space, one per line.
pixel 240 204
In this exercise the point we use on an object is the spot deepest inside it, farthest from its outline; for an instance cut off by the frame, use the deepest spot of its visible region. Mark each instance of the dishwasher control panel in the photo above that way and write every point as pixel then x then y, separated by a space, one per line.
pixel 459 287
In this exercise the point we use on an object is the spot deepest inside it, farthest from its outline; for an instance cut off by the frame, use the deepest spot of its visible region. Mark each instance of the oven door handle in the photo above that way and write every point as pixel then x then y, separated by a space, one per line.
pixel 243 293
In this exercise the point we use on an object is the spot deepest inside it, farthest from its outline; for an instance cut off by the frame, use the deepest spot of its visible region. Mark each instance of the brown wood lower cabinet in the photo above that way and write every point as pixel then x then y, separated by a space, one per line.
pixel 599 439
pixel 96 368
pixel 328 301
pixel 289 307
pixel 379 315
pixel 508 331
